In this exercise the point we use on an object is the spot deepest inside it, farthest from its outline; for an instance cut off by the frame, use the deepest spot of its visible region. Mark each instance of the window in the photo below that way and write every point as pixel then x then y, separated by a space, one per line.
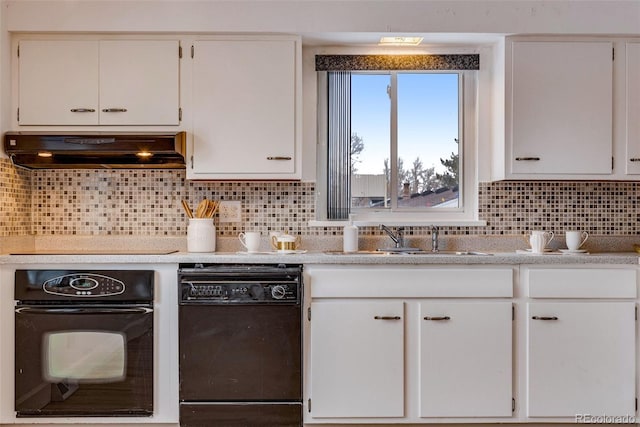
pixel 396 147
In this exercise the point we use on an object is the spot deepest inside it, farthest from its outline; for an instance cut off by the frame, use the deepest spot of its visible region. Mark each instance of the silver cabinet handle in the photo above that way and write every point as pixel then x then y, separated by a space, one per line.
pixel 83 110
pixel 544 318
pixel 527 159
pixel 114 110
pixel 387 317
pixel 634 159
pixel 279 158
pixel 437 318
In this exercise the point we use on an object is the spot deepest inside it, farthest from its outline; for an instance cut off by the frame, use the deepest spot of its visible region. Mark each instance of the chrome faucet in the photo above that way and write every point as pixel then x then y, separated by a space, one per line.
pixel 398 238
pixel 434 238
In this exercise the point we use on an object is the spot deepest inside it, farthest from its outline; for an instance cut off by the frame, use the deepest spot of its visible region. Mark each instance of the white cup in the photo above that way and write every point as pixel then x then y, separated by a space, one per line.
pixel 539 240
pixel 250 240
pixel 575 239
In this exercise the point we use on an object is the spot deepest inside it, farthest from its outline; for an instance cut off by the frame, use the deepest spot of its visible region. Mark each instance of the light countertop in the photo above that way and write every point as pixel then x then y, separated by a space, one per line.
pixel 317 257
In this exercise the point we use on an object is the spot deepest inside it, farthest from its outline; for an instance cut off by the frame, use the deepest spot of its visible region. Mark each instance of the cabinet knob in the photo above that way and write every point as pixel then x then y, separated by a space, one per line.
pixel 634 159
pixel 437 318
pixel 83 110
pixel 544 318
pixel 114 110
pixel 527 159
pixel 387 317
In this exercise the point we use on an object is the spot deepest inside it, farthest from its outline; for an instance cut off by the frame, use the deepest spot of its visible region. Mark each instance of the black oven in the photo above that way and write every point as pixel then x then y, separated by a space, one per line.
pixel 84 343
pixel 240 345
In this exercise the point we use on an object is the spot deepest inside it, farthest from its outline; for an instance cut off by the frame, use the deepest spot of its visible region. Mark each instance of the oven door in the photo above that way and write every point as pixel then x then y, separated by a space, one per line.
pixel 84 361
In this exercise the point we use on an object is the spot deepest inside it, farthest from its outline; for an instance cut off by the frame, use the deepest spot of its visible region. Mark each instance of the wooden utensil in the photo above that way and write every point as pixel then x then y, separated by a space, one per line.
pixel 202 208
pixel 187 209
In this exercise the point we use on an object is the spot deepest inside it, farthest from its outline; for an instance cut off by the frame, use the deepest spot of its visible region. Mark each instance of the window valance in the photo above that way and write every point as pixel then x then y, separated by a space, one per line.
pixel 456 62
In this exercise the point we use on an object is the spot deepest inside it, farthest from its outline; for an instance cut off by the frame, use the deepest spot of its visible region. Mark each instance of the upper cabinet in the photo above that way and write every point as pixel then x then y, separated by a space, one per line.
pixel 632 107
pixel 559 109
pixel 98 82
pixel 246 109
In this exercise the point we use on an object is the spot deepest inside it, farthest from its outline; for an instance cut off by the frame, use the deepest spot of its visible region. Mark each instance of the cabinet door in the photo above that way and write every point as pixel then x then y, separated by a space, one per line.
pixel 561 116
pixel 632 76
pixel 140 77
pixel 357 359
pixel 465 359
pixel 244 96
pixel 58 82
pixel 581 359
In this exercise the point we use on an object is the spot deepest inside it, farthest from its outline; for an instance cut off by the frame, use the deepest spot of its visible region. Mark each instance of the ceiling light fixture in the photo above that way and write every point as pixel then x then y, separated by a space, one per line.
pixel 144 154
pixel 400 41
pixel 45 154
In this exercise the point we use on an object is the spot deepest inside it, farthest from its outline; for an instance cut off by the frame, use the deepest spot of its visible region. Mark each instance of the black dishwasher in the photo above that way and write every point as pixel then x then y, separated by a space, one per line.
pixel 240 345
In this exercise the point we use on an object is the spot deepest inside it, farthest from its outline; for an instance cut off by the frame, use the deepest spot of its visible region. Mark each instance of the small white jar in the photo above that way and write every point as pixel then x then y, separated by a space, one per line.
pixel 201 235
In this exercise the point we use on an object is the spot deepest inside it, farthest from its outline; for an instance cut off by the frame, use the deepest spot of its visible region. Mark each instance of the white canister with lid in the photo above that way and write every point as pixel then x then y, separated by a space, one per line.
pixel 201 235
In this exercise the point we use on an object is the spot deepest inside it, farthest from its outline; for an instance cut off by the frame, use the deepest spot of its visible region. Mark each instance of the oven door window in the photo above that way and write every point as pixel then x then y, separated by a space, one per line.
pixel 84 356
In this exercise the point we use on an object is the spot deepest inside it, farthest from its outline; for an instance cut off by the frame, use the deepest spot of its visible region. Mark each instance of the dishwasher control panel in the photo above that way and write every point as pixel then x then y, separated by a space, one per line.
pixel 240 284
pixel 210 291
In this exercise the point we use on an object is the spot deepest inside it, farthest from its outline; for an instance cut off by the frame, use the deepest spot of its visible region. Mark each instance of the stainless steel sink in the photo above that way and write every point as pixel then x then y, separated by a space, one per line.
pixel 406 251
pixel 356 253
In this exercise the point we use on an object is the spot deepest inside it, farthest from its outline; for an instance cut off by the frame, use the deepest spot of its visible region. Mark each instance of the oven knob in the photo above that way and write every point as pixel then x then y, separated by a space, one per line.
pixel 278 292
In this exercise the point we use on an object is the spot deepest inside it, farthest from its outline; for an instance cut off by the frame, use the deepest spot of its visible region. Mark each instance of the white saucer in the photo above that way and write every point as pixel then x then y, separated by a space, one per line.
pixel 573 252
pixel 286 251
pixel 545 250
pixel 528 252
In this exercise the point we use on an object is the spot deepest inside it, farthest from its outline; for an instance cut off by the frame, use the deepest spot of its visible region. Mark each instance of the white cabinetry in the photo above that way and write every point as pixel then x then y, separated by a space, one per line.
pixel 98 82
pixel 246 109
pixel 465 359
pixel 398 345
pixel 358 359
pixel 559 109
pixel 581 342
pixel 632 107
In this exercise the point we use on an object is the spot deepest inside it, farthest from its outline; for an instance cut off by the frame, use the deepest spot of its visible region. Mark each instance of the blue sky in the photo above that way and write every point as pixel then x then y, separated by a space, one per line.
pixel 428 118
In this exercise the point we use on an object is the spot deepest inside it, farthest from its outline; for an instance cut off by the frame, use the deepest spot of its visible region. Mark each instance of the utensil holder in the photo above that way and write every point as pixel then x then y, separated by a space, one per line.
pixel 201 235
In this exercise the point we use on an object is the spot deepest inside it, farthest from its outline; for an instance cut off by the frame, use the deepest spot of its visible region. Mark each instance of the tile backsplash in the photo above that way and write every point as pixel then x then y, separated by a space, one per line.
pixel 15 200
pixel 147 202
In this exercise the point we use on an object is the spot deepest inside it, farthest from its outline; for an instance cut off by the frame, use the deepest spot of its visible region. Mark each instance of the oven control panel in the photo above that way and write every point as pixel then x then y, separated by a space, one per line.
pixel 83 285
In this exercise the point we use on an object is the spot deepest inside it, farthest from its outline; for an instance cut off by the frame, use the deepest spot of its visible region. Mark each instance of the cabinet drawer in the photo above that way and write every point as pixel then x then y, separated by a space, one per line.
pixel 581 283
pixel 409 282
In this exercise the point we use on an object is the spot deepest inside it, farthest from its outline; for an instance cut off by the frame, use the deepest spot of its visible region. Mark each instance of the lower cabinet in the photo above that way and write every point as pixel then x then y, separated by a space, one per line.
pixel 465 359
pixel 440 344
pixel 357 352
pixel 581 359
pixel 581 346
pixel 409 350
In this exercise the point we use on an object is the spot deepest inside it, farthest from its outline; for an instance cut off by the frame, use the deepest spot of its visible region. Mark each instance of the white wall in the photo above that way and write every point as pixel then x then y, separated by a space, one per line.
pixel 309 16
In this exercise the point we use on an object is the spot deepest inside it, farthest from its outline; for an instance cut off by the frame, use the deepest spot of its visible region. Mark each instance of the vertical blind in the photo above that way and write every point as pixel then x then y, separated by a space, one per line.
pixel 339 145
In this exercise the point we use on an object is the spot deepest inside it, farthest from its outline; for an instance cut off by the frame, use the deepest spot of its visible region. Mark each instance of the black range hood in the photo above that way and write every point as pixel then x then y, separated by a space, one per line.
pixel 96 150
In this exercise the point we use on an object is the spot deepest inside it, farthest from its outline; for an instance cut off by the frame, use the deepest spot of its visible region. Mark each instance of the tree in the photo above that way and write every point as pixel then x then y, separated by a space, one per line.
pixel 450 178
pixel 357 146
pixel 403 175
pixel 416 176
pixel 430 181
